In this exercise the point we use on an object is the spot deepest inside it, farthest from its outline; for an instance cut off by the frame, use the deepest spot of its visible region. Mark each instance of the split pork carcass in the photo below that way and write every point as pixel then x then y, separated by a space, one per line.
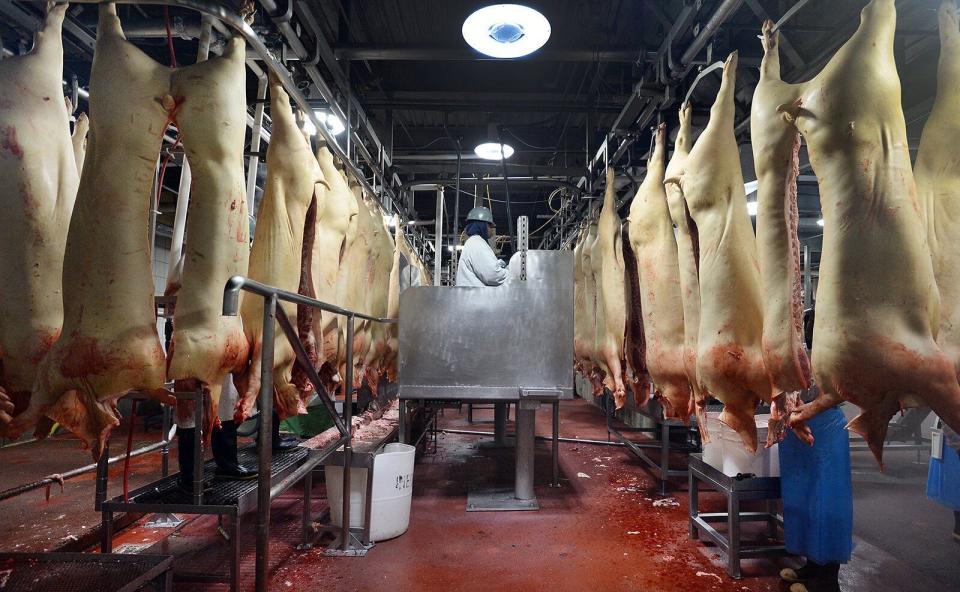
pixel 109 344
pixel 636 376
pixel 937 173
pixel 334 231
pixel 729 358
pixel 612 306
pixel 401 250
pixel 877 302
pixel 379 274
pixel 590 361
pixel 79 141
pixel 294 182
pixel 658 270
pixel 776 148
pixel 352 288
pixel 208 103
pixel 688 259
pixel 38 185
pixel 579 302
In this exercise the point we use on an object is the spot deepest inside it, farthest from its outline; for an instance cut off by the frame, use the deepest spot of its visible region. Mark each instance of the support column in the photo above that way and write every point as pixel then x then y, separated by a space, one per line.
pixel 500 424
pixel 526 425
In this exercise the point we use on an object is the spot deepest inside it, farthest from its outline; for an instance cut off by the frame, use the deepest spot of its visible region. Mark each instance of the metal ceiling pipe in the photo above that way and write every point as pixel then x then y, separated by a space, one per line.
pixel 495 180
pixel 180 28
pixel 448 54
pixel 720 16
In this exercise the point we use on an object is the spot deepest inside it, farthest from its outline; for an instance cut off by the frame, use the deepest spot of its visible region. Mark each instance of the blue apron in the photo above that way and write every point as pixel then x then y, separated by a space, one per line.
pixel 943 480
pixel 817 491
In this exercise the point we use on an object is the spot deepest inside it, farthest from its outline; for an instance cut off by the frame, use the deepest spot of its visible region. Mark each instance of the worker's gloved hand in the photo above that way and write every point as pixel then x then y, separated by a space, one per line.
pixel 501 263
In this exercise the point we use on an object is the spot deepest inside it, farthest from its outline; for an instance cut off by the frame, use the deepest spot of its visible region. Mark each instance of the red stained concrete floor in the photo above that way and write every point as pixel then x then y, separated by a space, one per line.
pixel 596 532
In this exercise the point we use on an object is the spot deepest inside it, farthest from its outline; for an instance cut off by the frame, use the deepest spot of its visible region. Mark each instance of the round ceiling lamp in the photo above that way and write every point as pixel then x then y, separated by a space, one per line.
pixel 491 151
pixel 329 120
pixel 506 30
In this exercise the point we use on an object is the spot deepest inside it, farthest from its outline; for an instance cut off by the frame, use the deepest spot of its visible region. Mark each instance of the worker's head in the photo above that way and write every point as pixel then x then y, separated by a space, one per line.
pixel 479 222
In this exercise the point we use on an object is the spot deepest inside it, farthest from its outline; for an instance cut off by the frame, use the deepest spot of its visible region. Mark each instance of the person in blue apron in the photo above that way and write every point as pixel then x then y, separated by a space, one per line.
pixel 817 496
pixel 943 480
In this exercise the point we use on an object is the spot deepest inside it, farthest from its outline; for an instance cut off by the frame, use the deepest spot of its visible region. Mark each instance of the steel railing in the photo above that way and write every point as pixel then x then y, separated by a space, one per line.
pixel 272 316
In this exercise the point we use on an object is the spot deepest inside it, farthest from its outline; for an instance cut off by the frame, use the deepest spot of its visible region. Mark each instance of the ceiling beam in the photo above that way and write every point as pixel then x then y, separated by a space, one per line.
pixel 390 53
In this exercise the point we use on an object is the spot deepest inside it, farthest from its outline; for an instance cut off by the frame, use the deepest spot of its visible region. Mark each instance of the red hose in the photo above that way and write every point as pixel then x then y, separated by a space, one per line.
pixel 166 24
pixel 126 461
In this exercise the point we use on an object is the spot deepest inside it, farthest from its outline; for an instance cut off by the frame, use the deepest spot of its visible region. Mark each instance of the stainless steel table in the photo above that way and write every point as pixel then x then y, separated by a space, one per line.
pixel 736 490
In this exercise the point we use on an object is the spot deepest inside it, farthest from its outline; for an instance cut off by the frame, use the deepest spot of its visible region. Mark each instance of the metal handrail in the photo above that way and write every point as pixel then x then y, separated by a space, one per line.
pixel 231 295
pixel 273 315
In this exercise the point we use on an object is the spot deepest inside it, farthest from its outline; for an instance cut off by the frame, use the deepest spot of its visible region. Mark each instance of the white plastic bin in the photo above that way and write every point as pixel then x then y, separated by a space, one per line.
pixel 392 492
pixel 726 453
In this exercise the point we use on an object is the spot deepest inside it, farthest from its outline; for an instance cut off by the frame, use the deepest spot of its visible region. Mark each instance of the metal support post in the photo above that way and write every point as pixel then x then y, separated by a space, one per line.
pixel 526 425
pixel 265 441
pixel 256 134
pixel 402 421
pixel 500 411
pixel 438 239
pixel 348 445
pixel 198 448
pixel 165 437
pixel 103 467
pixel 555 448
pixel 305 529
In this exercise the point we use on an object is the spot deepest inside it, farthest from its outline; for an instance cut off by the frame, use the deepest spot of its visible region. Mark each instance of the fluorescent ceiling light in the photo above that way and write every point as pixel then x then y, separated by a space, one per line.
pixel 506 30
pixel 451 248
pixel 752 208
pixel 491 151
pixel 330 121
pixel 820 222
pixel 389 221
pixel 750 187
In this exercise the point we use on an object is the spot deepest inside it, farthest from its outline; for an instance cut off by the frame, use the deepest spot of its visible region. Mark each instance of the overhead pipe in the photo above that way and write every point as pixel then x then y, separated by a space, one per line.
pixel 492 180
pixel 726 9
pixel 447 54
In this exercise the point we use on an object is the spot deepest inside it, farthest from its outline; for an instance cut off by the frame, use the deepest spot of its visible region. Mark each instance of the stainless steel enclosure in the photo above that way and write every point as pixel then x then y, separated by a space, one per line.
pixel 505 343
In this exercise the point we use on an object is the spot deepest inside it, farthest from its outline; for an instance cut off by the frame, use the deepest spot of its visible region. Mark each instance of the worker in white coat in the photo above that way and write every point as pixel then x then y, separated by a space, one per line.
pixel 478 265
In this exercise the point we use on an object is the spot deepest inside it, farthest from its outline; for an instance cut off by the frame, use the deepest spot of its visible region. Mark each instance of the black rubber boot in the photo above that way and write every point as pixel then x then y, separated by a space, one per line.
pixel 806 573
pixel 282 442
pixel 185 458
pixel 224 444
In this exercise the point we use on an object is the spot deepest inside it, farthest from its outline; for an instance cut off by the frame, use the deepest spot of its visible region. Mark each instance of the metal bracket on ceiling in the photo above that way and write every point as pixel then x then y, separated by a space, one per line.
pixel 284 16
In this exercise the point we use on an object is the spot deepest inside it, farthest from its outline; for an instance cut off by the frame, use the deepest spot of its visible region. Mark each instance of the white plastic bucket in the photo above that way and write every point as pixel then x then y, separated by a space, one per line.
pixel 392 492
pixel 726 453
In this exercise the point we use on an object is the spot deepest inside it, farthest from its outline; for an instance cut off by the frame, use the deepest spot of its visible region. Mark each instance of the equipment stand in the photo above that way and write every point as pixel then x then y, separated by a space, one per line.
pixel 522 496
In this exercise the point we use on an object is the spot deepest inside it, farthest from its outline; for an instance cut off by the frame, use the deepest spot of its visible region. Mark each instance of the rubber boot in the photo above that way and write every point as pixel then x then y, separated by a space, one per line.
pixel 827 579
pixel 282 442
pixel 185 458
pixel 806 573
pixel 224 444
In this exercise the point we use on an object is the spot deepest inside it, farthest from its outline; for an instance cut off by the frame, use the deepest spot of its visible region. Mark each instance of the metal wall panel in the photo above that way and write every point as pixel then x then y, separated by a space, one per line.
pixel 489 343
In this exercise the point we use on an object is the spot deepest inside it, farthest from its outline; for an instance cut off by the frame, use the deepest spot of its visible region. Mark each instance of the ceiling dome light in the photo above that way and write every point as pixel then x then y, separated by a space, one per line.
pixel 491 151
pixel 820 222
pixel 506 30
pixel 752 208
pixel 330 121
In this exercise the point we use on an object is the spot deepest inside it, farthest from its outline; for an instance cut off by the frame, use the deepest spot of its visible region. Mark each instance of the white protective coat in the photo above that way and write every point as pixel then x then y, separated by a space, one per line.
pixel 478 266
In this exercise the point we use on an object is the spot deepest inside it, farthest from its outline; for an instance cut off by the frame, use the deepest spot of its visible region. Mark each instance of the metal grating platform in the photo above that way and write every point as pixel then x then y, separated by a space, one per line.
pixel 225 492
pixel 82 572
